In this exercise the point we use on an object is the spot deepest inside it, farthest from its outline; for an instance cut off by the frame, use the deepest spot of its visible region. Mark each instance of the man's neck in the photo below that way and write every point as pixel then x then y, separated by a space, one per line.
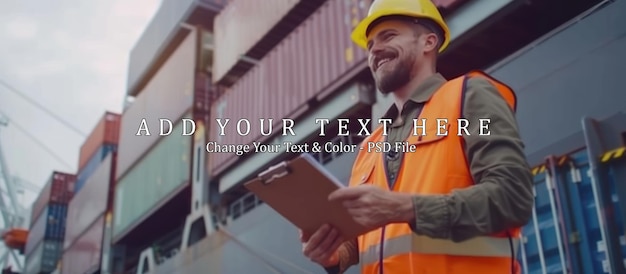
pixel 402 95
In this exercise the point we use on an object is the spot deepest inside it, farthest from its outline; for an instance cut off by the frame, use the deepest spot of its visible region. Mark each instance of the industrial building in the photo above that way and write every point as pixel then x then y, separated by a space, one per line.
pixel 148 198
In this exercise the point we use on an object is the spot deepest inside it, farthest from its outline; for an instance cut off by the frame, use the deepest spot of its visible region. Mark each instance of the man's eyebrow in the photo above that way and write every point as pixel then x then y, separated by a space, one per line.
pixel 381 33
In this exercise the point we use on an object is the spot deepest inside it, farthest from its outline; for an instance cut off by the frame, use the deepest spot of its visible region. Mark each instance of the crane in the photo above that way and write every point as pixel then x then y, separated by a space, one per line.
pixel 12 213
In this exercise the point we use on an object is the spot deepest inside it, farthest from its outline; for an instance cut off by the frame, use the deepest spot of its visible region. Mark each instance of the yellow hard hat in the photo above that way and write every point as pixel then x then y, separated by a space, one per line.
pixel 412 8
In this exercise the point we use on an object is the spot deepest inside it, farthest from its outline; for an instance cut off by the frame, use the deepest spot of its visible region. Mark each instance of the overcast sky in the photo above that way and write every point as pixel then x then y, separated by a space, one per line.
pixel 72 57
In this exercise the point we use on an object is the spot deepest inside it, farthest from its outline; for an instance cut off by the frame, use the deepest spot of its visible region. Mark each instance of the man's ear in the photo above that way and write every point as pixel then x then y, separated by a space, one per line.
pixel 431 42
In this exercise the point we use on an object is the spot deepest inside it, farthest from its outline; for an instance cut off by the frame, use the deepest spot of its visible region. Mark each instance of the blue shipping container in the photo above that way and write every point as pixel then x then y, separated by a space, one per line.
pixel 49 226
pixel 568 220
pixel 92 165
pixel 542 249
pixel 45 257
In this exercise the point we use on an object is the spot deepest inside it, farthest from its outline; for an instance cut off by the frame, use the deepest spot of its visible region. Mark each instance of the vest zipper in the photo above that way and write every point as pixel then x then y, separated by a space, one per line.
pixel 395 180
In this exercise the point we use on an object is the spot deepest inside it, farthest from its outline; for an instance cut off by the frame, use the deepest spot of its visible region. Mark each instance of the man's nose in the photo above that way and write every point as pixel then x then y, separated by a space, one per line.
pixel 376 48
pixel 374 51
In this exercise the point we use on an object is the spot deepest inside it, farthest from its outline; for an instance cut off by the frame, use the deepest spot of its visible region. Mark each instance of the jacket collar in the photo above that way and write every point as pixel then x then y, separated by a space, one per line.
pixel 420 95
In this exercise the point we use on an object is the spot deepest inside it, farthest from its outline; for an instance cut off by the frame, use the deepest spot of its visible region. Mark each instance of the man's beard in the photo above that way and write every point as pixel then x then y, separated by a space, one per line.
pixel 395 79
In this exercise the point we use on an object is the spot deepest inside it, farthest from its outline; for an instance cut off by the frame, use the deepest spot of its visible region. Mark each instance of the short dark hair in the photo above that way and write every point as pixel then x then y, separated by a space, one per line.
pixel 433 27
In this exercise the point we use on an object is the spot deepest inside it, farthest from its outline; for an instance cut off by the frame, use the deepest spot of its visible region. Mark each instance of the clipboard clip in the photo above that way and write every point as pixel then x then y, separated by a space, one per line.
pixel 274 172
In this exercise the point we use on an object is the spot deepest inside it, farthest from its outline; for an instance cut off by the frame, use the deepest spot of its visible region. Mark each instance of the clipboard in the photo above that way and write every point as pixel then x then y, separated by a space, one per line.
pixel 298 190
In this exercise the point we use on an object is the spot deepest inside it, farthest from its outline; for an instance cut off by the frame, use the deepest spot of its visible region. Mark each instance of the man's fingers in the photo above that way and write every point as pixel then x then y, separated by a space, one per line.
pixel 324 253
pixel 315 239
pixel 324 247
pixel 334 246
pixel 326 257
pixel 345 193
pixel 329 259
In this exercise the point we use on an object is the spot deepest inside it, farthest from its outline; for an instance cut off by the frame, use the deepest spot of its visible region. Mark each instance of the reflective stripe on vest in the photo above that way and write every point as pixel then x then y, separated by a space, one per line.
pixel 478 246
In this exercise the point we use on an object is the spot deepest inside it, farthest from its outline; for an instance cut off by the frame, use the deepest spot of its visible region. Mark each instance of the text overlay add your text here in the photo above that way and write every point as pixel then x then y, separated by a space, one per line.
pixel 244 127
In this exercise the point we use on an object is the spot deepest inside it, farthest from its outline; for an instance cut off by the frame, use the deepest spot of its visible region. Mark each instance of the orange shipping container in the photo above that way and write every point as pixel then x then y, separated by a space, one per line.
pixel 107 131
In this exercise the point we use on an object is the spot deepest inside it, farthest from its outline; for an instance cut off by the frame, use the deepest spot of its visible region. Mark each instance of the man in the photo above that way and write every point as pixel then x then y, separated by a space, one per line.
pixel 454 204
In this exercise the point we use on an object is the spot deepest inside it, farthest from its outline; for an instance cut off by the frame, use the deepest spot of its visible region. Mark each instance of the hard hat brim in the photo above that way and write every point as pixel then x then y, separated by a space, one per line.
pixel 359 36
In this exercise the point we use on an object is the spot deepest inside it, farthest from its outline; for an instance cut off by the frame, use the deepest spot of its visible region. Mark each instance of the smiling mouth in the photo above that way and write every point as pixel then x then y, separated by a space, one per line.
pixel 382 62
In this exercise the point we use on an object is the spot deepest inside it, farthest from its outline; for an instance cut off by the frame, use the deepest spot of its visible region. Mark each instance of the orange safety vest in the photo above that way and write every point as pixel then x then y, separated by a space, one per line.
pixel 438 166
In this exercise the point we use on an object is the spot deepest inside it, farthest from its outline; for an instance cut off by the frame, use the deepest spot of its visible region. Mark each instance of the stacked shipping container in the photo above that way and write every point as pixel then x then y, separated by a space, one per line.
pixel 48 223
pixel 102 140
pixel 163 34
pixel 234 36
pixel 44 258
pixel 49 217
pixel 88 205
pixel 92 198
pixel 566 231
pixel 169 95
pixel 163 170
pixel 85 254
pixel 152 165
pixel 310 62
pixel 93 164
pixel 155 152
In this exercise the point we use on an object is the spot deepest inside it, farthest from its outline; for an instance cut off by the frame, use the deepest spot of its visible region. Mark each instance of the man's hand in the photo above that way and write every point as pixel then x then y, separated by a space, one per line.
pixel 373 206
pixel 321 247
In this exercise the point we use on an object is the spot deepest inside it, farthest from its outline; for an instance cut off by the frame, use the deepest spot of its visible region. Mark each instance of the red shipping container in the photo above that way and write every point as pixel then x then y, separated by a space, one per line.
pixel 107 131
pixel 240 25
pixel 84 256
pixel 311 60
pixel 168 95
pixel 91 201
pixel 59 189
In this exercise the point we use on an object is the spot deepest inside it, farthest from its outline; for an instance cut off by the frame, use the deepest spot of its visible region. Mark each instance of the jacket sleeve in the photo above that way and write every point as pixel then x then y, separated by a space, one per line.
pixel 502 196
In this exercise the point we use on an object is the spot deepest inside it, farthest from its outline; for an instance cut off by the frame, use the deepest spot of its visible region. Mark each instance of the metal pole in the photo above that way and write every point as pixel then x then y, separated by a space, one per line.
pixel 11 190
pixel 7 178
pixel 601 192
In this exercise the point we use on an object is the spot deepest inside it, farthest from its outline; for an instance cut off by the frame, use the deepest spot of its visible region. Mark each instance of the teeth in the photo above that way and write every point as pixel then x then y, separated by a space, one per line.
pixel 381 62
